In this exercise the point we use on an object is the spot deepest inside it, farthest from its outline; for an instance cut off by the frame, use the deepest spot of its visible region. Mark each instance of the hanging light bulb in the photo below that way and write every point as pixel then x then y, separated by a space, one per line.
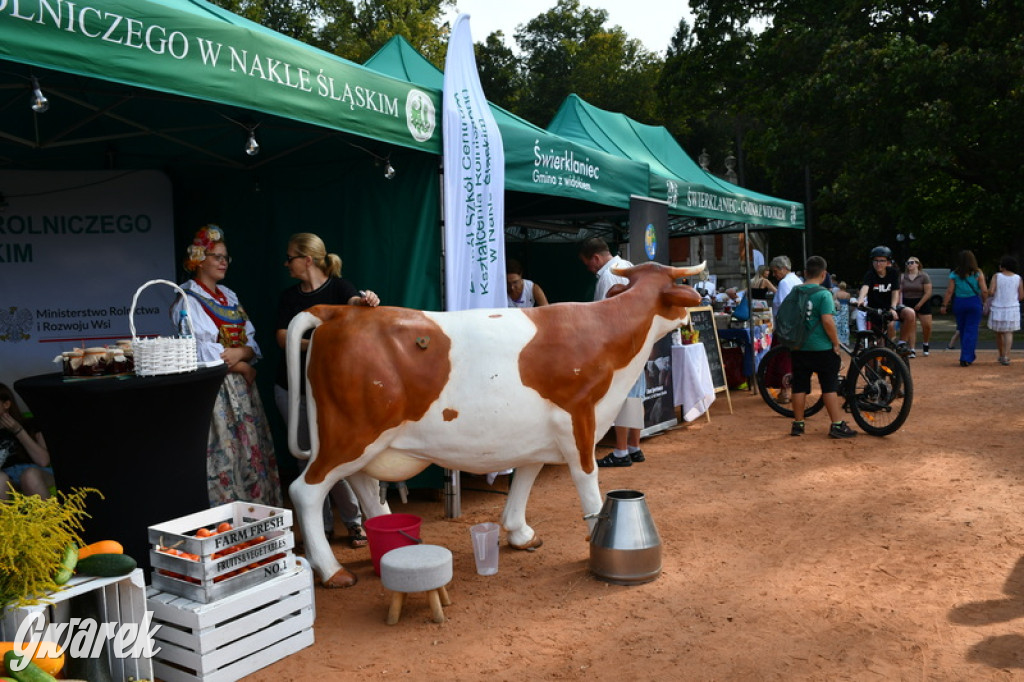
pixel 389 170
pixel 252 147
pixel 40 104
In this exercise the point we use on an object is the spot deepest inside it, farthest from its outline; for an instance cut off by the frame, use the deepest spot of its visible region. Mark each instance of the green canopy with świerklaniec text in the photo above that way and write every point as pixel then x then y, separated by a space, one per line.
pixel 688 189
pixel 196 49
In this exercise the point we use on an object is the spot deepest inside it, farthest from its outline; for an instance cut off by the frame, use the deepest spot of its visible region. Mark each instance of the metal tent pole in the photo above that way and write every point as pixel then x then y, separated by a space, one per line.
pixel 452 477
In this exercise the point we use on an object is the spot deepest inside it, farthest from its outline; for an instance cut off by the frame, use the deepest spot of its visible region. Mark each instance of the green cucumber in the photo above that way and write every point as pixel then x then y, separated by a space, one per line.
pixel 67 564
pixel 31 673
pixel 106 565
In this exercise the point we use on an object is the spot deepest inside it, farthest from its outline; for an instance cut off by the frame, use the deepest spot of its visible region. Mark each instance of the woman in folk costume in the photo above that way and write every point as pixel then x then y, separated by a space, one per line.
pixel 240 462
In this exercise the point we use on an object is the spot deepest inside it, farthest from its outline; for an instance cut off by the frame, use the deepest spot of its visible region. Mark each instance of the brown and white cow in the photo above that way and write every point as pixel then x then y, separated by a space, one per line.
pixel 392 390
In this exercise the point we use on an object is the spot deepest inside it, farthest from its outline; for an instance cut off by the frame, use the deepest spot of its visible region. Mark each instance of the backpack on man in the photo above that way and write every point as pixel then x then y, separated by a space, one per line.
pixel 791 321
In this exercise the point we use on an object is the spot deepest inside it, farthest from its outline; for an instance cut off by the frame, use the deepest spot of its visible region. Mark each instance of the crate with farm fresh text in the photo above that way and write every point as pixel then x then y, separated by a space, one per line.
pixel 217 552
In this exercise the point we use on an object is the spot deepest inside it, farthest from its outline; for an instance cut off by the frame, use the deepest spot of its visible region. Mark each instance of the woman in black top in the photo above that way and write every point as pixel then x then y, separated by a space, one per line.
pixel 320 283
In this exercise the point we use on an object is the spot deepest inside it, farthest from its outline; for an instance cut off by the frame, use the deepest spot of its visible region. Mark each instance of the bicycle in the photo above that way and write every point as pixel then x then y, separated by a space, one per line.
pixel 876 389
pixel 773 372
pixel 875 335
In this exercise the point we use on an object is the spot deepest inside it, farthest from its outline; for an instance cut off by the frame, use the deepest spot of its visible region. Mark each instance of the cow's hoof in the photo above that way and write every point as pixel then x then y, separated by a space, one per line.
pixel 533 544
pixel 343 578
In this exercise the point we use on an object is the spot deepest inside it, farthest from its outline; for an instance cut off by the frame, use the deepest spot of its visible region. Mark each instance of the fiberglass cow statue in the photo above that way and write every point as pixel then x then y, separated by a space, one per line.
pixel 392 390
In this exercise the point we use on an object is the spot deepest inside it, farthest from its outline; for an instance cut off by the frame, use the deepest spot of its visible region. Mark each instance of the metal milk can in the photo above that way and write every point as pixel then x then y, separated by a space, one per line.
pixel 625 548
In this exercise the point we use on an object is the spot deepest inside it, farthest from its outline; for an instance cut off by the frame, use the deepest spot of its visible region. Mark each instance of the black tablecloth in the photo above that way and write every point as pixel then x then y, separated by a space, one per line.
pixel 141 441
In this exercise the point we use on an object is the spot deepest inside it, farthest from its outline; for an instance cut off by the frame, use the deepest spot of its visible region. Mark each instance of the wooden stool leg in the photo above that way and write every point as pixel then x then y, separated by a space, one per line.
pixel 395 612
pixel 435 606
pixel 445 601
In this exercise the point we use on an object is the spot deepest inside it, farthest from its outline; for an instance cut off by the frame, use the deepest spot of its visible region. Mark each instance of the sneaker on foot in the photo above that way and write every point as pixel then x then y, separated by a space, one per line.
pixel 797 429
pixel 613 461
pixel 841 430
pixel 637 456
pixel 925 350
pixel 783 397
pixel 1004 361
pixel 912 353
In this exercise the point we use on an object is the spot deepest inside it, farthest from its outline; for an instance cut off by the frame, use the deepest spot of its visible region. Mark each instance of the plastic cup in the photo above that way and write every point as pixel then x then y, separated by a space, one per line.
pixel 485 547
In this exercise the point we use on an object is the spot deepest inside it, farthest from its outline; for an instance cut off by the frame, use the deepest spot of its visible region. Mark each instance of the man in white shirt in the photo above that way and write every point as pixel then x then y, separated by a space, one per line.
pixel 597 258
pixel 782 269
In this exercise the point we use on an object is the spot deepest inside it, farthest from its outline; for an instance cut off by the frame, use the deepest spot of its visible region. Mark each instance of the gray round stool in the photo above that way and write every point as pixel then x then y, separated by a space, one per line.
pixel 417 568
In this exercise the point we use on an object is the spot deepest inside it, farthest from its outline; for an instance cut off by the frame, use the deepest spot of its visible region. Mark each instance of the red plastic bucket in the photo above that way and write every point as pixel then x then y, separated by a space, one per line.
pixel 391 531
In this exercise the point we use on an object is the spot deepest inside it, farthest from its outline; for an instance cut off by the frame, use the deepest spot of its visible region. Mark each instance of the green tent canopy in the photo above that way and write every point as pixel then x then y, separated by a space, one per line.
pixel 674 177
pixel 179 85
pixel 196 49
pixel 537 162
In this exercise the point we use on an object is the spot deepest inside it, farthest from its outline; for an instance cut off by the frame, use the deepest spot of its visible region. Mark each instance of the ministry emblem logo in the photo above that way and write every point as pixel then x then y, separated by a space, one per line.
pixel 15 324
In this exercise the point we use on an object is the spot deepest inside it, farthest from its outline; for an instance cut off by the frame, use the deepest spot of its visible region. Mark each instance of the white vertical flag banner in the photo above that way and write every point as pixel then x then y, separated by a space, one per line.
pixel 474 184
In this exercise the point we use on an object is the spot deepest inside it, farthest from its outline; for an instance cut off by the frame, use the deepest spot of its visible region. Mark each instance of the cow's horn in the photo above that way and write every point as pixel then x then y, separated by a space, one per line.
pixel 688 272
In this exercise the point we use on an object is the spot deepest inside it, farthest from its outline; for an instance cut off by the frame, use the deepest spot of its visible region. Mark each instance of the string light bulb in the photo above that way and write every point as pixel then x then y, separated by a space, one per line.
pixel 40 104
pixel 389 170
pixel 252 147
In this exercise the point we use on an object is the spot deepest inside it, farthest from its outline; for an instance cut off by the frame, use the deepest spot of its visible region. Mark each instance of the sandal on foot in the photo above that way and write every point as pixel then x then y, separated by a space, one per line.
pixel 356 537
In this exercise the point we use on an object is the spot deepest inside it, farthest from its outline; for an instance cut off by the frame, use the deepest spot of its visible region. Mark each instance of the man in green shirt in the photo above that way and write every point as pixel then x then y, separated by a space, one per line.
pixel 819 353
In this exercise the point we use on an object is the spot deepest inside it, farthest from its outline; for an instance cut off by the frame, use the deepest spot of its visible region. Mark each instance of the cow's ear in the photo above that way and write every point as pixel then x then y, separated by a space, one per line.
pixel 680 295
pixel 616 290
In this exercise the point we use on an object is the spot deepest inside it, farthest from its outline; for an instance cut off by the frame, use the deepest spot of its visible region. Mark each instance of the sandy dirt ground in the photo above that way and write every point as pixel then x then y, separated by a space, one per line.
pixel 783 559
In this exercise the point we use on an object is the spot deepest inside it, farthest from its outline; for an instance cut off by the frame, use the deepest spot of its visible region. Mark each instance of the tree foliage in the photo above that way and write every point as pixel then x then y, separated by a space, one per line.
pixel 569 49
pixel 501 76
pixel 893 116
pixel 353 29
pixel 902 112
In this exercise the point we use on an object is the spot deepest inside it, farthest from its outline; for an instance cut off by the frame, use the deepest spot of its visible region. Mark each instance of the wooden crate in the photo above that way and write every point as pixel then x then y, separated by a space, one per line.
pixel 122 600
pixel 224 563
pixel 234 636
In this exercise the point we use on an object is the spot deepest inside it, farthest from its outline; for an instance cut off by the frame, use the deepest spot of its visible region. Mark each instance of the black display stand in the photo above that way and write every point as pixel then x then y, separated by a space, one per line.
pixel 141 441
pixel 702 319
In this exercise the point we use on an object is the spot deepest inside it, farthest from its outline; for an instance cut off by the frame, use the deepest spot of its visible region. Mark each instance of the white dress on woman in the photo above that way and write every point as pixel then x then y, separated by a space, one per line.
pixel 1004 311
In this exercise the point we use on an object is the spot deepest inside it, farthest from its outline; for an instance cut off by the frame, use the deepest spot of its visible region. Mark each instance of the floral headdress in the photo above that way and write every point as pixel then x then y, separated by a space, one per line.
pixel 204 240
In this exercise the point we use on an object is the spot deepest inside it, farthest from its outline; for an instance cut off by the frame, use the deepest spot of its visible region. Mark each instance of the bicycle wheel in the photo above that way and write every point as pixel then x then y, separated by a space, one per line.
pixel 879 391
pixel 774 383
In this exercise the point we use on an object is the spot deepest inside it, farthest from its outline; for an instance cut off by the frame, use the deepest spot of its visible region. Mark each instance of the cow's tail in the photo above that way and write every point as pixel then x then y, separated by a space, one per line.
pixel 297 328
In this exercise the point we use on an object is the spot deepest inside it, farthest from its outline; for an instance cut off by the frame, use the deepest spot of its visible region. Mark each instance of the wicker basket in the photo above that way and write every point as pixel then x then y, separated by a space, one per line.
pixel 162 355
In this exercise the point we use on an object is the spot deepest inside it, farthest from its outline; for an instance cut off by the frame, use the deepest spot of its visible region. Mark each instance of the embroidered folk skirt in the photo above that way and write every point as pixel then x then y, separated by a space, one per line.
pixel 240 462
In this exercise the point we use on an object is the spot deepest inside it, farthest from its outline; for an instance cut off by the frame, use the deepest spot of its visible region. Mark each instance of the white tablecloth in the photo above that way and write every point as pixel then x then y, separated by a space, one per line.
pixel 691 380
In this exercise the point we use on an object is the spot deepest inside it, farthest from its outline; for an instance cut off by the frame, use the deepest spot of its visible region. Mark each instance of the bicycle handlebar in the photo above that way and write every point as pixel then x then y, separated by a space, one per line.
pixel 887 314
